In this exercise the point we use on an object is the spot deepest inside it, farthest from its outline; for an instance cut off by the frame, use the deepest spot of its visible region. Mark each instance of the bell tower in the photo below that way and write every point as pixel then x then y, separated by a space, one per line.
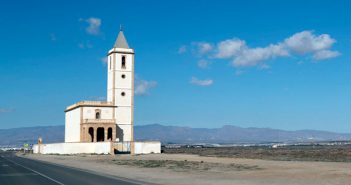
pixel 120 86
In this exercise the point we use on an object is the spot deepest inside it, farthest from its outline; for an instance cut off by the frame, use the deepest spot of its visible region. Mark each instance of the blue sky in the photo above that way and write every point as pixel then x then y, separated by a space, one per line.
pixel 275 64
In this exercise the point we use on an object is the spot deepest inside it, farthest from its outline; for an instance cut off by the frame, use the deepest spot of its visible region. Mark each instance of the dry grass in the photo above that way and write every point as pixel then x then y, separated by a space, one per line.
pixel 291 153
pixel 186 165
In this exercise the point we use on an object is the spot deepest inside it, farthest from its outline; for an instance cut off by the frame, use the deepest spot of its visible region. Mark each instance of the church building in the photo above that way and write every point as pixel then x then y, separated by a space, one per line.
pixel 105 127
pixel 111 120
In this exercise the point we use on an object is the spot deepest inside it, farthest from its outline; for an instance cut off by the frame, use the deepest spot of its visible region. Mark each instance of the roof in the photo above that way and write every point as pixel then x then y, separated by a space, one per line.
pixel 121 41
pixel 90 104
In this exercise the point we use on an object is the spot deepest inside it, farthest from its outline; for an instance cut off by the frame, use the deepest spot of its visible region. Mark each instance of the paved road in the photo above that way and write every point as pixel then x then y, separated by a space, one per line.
pixel 17 171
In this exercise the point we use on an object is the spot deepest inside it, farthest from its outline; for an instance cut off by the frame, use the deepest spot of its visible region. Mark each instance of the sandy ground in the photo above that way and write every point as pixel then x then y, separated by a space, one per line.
pixel 179 169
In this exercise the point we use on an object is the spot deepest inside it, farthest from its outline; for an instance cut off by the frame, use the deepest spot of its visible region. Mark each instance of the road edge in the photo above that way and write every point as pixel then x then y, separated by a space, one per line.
pixel 89 171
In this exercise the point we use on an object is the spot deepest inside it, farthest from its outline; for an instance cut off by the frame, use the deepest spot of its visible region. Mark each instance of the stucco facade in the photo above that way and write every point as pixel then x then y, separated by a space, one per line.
pixel 112 120
pixel 105 127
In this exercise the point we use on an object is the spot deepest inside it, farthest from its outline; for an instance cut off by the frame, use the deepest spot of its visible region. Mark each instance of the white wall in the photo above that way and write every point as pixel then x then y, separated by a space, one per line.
pixel 89 112
pixel 125 100
pixel 123 82
pixel 109 95
pixel 123 115
pixel 72 125
pixel 125 135
pixel 74 148
pixel 114 68
pixel 147 147
pixel 110 72
pixel 116 84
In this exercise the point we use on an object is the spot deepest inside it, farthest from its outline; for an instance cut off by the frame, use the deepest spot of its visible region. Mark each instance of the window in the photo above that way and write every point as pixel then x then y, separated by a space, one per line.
pixel 123 93
pixel 97 114
pixel 123 62
pixel 123 76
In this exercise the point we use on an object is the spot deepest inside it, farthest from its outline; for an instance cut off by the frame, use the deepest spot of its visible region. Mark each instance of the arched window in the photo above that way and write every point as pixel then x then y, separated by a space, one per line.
pixel 123 64
pixel 97 114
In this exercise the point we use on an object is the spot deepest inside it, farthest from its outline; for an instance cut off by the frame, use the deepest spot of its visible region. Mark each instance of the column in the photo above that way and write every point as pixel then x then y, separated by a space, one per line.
pixel 83 135
pixel 114 134
pixel 95 134
pixel 106 133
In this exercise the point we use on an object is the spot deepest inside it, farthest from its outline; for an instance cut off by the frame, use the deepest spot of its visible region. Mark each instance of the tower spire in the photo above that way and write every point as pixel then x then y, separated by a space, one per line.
pixel 121 41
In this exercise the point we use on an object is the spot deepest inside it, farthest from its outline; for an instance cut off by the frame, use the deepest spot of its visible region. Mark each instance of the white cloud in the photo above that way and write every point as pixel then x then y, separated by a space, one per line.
pixel 202 47
pixel 305 42
pixel 93 25
pixel 302 45
pixel 182 49
pixel 256 56
pixel 142 87
pixel 203 64
pixel 241 55
pixel 325 54
pixel 230 48
pixel 198 82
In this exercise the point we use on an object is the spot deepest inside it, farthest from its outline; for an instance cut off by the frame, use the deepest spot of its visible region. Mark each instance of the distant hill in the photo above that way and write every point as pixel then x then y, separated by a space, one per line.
pixel 176 134
pixel 18 136
pixel 231 134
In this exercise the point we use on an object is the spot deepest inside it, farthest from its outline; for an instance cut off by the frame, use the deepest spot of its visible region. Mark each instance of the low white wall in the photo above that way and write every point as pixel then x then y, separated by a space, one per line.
pixel 73 148
pixel 147 147
pixel 122 146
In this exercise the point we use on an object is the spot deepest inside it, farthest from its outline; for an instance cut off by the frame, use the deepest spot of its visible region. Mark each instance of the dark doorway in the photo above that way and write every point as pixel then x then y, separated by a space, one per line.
pixel 109 134
pixel 91 133
pixel 100 134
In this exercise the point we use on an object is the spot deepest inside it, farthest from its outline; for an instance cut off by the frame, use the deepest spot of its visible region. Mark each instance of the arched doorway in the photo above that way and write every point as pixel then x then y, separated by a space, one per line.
pixel 91 134
pixel 109 134
pixel 100 134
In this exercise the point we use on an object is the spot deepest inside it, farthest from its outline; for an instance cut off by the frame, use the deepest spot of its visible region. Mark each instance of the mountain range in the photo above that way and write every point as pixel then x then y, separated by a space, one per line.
pixel 176 134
